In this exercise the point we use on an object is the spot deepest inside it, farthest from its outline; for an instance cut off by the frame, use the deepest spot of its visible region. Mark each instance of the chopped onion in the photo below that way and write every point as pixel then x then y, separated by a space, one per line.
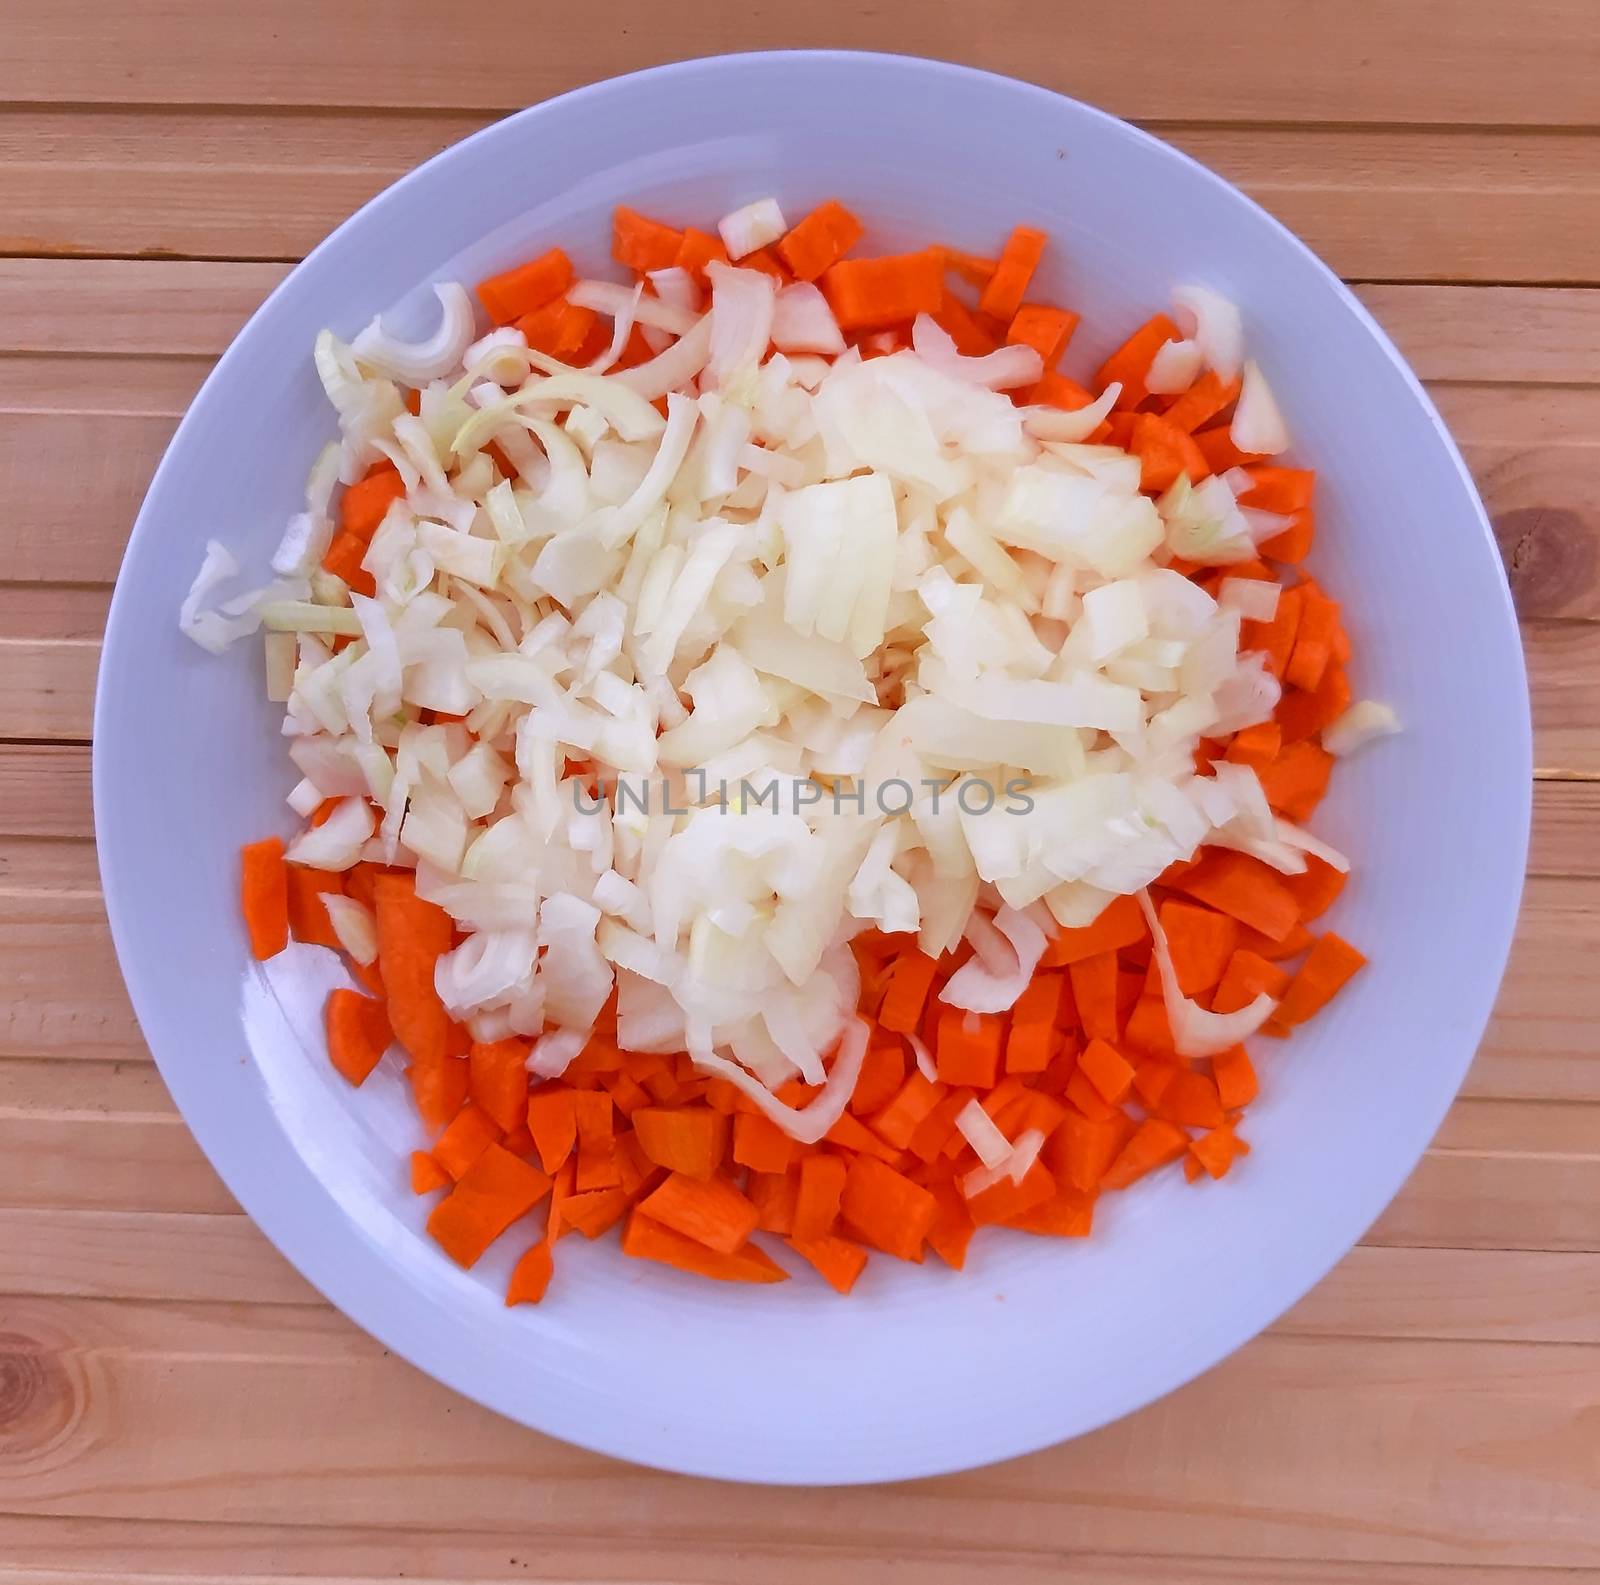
pixel 802 321
pixel 1195 1031
pixel 984 988
pixel 754 226
pixel 607 297
pixel 1362 723
pixel 1215 326
pixel 978 1129
pixel 1004 369
pixel 336 844
pixel 1258 426
pixel 810 1122
pixel 1174 368
pixel 353 923
pixel 415 363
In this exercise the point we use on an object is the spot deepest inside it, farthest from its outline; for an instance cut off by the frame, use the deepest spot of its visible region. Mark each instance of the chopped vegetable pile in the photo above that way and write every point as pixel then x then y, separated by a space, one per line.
pixel 780 757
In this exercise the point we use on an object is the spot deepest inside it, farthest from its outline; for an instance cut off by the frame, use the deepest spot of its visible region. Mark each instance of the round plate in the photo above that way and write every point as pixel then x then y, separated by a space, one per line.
pixel 922 1370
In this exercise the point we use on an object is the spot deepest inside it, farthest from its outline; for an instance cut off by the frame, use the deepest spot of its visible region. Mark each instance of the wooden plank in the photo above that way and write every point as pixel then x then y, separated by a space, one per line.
pixel 44 791
pixel 47 688
pixel 46 1550
pixel 1564 687
pixel 1504 1427
pixel 192 181
pixel 1301 61
pixel 186 309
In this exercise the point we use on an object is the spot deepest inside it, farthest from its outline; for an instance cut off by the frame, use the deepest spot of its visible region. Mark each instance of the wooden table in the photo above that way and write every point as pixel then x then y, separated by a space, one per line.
pixel 175 1403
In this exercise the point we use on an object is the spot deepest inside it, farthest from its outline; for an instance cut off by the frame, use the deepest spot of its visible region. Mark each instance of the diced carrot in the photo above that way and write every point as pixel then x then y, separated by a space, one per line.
pixel 1328 967
pixel 768 262
pixel 1190 1098
pixel 1082 1093
pixel 873 294
pixel 817 1205
pixel 560 1192
pixel 308 914
pixel 1301 715
pixel 412 935
pixel 1243 888
pixel 774 1195
pixel 1203 401
pixel 938 1128
pixel 515 292
pixel 968 1049
pixel 1130 363
pixel 698 249
pixel 1047 330
pixel 426 1173
pixel 519 1141
pixel 1318 888
pixel 597 1149
pixel 820 240
pixel 1150 1081
pixel 1314 641
pixel 552 1118
pixel 1292 945
pixel 594 1211
pixel 1214 1151
pixel 1235 1078
pixel 910 979
pixel 560 329
pixel 899 1120
pixel 1277 489
pixel 1164 451
pixel 366 502
pixel 626 1095
pixel 1119 925
pixel 467 1137
pixel 1294 543
pixel 1033 1024
pixel 487 1199
pixel 759 1144
pixel 1066 1214
pixel 1296 780
pixel 952 1227
pixel 1019 258
pixel 264 896
pixel 1003 1201
pixel 971 338
pixel 642 244
pixel 343 559
pixel 646 1239
pixel 883 1071
pixel 1081 1148
pixel 689 1139
pixel 1107 1070
pixel 838 1261
pixel 1275 639
pixel 1148 1028
pixel 1154 1143
pixel 1257 745
pixel 1217 447
pixel 1200 941
pixel 358 1033
pixel 1094 992
pixel 710 1211
pixel 498 1081
pixel 1248 976
pixel 530 1277
pixel 886 1208
pixel 969 267
pixel 439 1089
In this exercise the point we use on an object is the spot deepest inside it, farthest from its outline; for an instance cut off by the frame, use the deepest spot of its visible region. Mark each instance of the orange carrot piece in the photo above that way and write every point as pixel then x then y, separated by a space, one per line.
pixel 1047 330
pixel 820 240
pixel 597 1150
pixel 1034 1019
pixel 1314 641
pixel 710 1211
pixel 1203 401
pixel 1094 992
pixel 817 1203
pixel 899 1120
pixel 646 1239
pixel 1201 942
pixel 1148 1028
pixel 498 1081
pixel 1130 363
pixel 1275 489
pixel 642 244
pixel 1214 1151
pixel 910 980
pixel 956 321
pixel 874 294
pixel 1080 1149
pixel 977 272
pixel 1235 1078
pixel 952 1227
pixel 1088 1100
pixel 426 1173
pixel 530 1277
pixel 1190 1098
pixel 1002 1201
pixel 1019 258
pixel 1275 639
pixel 1150 1081
pixel 358 1033
pixel 1294 543
pixel 838 1261
pixel 1296 781
pixel 1217 447
pixel 1243 888
pixel 1255 746
pixel 697 250
pixel 775 1196
pixel 467 1137
pixel 308 914
pixel 1154 1143
pixel 1328 967
pixel 689 1139
pixel 365 503
pixel 886 1208
pixel 343 559
pixel 264 896
pixel 412 934
pixel 487 1199
pixel 1248 975
pixel 515 292
pixel 552 1117
pixel 760 1145
pixel 1301 715
pixel 1066 1214
pixel 594 1211
pixel 1164 451
pixel 938 1129
pixel 439 1089
pixel 1119 925
pixel 1107 1070
pixel 883 1071
pixel 1318 888
pixel 968 1048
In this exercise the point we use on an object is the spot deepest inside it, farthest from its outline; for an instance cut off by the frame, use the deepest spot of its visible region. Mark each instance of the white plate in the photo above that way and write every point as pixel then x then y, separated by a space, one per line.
pixel 922 1370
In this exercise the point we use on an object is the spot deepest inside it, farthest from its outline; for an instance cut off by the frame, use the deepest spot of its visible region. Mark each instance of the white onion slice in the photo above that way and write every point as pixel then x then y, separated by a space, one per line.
pixel 1362 723
pixel 810 1122
pixel 415 363
pixel 1258 426
pixel 1213 322
pixel 752 227
pixel 1004 369
pixel 1195 1031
